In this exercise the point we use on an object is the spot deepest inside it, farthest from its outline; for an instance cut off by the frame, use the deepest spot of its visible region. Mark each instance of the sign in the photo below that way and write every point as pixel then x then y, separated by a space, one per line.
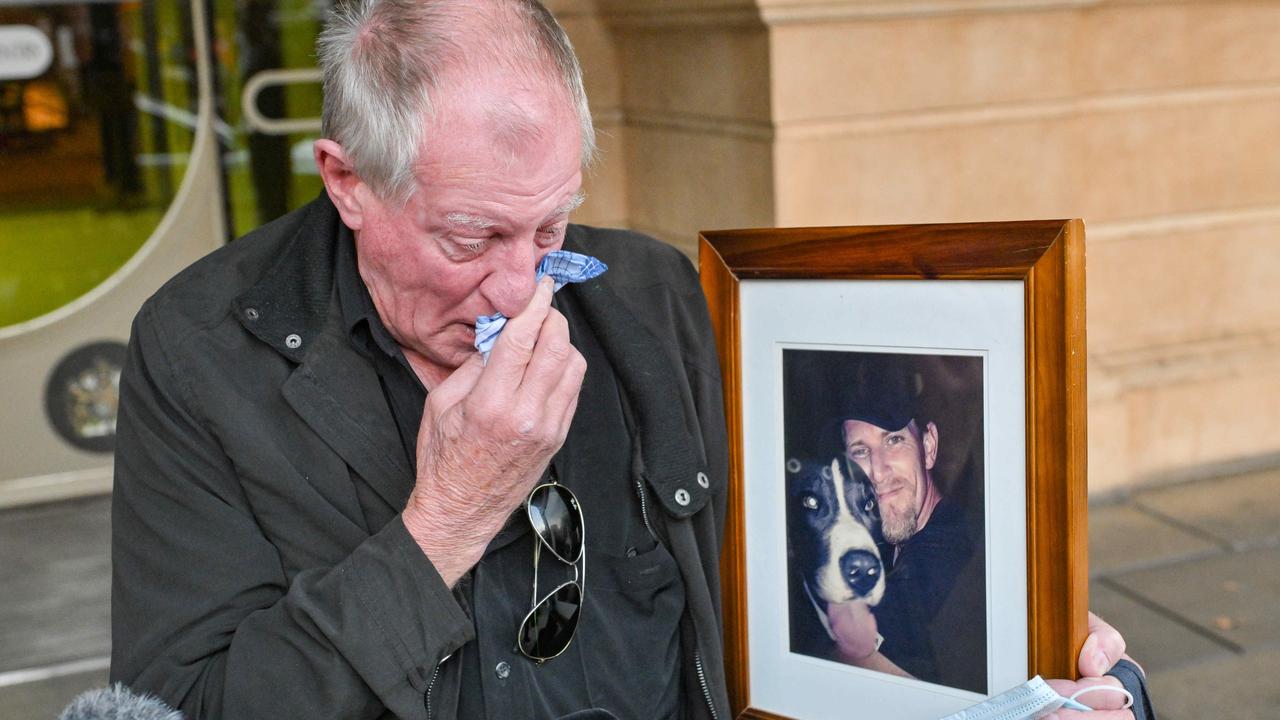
pixel 25 52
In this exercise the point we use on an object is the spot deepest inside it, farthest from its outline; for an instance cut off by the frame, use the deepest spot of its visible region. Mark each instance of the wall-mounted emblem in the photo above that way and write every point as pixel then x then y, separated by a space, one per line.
pixel 83 394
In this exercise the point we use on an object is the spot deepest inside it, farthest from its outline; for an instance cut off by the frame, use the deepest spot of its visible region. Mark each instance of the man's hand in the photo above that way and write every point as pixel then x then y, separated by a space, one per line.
pixel 488 433
pixel 853 627
pixel 1101 650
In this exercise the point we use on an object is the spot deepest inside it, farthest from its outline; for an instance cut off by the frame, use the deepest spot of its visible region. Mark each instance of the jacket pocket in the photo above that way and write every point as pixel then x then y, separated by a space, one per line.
pixel 634 659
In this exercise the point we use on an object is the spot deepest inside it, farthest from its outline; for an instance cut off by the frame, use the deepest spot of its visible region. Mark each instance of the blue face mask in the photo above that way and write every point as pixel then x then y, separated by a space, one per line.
pixel 1030 700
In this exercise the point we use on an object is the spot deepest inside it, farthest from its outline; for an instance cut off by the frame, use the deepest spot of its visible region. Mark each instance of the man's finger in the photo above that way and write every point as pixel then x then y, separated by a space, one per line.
pixel 566 420
pixel 513 349
pixel 565 396
pixel 458 385
pixel 519 337
pixel 1102 699
pixel 1095 715
pixel 548 363
pixel 1101 649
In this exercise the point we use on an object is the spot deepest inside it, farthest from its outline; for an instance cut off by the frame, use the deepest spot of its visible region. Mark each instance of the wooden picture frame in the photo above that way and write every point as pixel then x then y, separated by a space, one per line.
pixel 1046 259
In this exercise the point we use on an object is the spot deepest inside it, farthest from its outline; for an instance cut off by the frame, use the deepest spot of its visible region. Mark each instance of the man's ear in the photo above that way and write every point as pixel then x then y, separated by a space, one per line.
pixel 930 440
pixel 347 191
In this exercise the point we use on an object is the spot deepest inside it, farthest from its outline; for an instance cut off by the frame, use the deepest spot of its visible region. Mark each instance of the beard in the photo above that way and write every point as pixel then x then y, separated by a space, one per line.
pixel 898 525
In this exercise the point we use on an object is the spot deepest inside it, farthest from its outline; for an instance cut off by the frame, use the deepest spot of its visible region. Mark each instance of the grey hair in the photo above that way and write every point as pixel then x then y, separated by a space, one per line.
pixel 382 61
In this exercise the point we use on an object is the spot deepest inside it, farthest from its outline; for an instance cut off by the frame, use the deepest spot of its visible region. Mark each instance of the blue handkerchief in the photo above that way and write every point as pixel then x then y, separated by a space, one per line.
pixel 564 266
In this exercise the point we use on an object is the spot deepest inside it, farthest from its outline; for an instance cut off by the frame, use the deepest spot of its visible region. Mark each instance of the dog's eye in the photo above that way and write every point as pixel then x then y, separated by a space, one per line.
pixel 810 502
pixel 871 505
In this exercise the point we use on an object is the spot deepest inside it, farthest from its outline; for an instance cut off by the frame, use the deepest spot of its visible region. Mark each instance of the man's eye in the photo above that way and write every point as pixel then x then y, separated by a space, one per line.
pixel 471 245
pixel 893 440
pixel 857 452
pixel 548 235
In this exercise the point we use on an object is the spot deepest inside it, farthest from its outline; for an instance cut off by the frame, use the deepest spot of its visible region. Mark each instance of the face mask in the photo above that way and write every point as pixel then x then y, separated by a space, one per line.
pixel 1030 700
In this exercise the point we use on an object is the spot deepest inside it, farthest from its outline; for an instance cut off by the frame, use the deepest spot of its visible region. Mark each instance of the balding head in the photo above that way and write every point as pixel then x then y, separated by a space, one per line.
pixel 386 64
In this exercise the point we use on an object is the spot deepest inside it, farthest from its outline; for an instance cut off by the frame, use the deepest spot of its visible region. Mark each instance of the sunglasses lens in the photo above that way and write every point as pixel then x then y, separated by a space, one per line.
pixel 554 514
pixel 549 627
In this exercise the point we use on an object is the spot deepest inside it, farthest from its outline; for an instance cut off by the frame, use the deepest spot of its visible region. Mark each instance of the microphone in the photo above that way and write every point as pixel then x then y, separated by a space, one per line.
pixel 117 703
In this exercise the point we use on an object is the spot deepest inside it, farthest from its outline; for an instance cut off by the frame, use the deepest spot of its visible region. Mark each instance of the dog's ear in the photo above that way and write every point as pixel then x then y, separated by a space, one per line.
pixel 866 498
pixel 855 472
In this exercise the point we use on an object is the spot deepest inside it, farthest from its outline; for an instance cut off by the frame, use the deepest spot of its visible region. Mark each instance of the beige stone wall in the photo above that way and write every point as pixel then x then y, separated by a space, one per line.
pixel 681 94
pixel 695 101
pixel 1156 121
pixel 606 183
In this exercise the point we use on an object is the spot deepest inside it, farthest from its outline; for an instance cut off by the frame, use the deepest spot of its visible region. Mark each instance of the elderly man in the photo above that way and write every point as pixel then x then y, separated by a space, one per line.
pixel 320 481
pixel 317 473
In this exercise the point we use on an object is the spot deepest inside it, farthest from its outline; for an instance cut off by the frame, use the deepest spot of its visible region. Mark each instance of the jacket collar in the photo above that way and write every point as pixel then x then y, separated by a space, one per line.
pixel 293 309
pixel 287 308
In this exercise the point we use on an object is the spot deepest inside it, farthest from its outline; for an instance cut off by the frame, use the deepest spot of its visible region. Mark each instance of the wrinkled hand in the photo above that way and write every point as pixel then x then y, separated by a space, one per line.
pixel 487 434
pixel 1102 649
pixel 854 629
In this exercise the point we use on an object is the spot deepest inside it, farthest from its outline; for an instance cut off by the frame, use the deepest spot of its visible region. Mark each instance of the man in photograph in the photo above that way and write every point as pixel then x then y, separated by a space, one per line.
pixel 933 614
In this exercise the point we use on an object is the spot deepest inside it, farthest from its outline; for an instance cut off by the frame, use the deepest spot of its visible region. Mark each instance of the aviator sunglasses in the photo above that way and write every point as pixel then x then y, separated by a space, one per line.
pixel 557 521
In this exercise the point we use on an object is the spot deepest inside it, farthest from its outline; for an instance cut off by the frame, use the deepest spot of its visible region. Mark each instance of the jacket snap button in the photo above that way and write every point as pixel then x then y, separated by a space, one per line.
pixel 502 670
pixel 294 341
pixel 682 497
pixel 251 313
pixel 703 481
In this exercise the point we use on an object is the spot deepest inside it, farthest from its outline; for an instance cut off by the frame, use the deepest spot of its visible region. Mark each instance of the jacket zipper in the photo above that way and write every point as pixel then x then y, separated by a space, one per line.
pixel 644 507
pixel 426 696
pixel 702 680
pixel 697 656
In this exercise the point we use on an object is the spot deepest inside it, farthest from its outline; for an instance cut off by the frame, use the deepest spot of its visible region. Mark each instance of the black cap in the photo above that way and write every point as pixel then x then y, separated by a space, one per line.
pixel 885 392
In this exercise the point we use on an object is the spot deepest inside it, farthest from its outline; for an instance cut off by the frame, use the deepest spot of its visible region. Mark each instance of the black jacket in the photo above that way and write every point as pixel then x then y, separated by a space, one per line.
pixel 260 566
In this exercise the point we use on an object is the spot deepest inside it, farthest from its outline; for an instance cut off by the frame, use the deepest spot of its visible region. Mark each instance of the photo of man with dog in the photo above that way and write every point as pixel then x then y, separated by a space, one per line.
pixel 885 527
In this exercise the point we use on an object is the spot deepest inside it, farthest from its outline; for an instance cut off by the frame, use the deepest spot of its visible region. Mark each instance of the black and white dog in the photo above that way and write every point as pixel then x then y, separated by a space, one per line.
pixel 833 528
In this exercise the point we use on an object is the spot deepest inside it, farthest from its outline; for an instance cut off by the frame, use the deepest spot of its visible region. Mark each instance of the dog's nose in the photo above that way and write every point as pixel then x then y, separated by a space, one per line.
pixel 861 569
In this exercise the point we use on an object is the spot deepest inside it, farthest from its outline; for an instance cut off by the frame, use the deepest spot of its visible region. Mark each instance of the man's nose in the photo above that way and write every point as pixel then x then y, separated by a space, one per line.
pixel 510 283
pixel 879 469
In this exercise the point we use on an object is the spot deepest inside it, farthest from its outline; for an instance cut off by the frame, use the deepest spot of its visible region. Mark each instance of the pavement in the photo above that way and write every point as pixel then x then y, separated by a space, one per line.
pixel 55 605
pixel 1189 573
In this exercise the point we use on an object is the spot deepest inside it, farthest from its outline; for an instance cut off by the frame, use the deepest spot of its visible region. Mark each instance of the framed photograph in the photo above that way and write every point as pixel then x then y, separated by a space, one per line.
pixel 907 508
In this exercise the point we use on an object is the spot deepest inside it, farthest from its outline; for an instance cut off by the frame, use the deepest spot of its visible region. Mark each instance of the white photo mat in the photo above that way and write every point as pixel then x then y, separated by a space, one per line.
pixel 962 317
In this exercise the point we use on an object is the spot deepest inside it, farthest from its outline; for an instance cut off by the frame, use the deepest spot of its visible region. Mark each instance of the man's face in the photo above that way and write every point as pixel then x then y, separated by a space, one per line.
pixel 492 199
pixel 898 462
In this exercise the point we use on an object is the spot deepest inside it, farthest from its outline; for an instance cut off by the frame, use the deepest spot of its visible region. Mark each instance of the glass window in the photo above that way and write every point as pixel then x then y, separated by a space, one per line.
pixel 97 107
pixel 267 173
